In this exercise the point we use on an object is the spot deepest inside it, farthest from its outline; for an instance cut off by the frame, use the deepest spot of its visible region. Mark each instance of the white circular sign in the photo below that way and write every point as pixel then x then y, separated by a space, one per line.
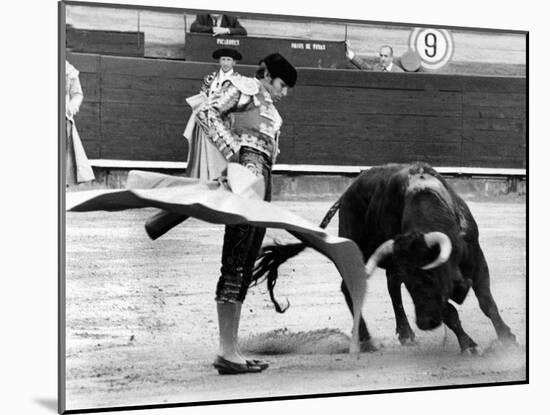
pixel 434 46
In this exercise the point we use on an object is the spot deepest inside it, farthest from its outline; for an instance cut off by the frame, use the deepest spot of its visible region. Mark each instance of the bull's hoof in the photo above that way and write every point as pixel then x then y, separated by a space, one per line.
pixel 408 341
pixel 470 351
pixel 406 336
pixel 369 346
pixel 508 340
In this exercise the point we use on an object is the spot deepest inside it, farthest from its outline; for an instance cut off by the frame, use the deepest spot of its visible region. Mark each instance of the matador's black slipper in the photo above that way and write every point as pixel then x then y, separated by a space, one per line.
pixel 226 367
pixel 260 363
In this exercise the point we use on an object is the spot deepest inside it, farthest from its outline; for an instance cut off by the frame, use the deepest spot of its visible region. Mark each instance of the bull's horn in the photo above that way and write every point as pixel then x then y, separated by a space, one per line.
pixel 445 248
pixel 381 252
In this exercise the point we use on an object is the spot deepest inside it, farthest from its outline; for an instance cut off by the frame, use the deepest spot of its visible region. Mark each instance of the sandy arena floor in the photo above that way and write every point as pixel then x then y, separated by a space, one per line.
pixel 141 318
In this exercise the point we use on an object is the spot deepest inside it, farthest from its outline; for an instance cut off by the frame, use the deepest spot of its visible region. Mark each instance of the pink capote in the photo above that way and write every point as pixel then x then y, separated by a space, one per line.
pixel 237 200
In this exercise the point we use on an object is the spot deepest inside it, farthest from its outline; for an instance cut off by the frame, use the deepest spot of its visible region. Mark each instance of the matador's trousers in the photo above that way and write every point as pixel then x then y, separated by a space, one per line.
pixel 241 243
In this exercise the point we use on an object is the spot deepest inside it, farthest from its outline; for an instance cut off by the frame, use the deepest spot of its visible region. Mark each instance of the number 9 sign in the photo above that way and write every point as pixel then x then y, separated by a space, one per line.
pixel 434 46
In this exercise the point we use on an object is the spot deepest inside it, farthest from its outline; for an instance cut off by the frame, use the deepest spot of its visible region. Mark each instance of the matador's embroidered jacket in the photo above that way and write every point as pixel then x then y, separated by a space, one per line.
pixel 209 79
pixel 241 114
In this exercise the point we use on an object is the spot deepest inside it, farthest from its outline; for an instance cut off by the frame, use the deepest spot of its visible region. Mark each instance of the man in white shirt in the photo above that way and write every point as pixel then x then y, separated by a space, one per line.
pixel 385 63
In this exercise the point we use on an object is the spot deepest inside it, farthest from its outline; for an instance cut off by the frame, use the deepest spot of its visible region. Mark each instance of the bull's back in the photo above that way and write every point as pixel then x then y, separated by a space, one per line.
pixel 371 209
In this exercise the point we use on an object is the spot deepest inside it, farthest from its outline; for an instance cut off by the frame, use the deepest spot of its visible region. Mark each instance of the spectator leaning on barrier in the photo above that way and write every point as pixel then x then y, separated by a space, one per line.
pixel 251 140
pixel 205 161
pixel 385 63
pixel 217 24
pixel 78 168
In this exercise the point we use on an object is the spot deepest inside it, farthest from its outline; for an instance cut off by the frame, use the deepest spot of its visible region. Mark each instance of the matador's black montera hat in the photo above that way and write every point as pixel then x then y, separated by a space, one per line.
pixel 279 67
pixel 231 53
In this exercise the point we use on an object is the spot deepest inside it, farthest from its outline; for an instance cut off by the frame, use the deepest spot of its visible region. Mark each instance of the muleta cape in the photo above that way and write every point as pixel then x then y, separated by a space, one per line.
pixel 235 200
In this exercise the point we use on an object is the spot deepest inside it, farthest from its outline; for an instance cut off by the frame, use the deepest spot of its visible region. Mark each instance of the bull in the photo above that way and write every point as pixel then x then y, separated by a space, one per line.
pixel 407 219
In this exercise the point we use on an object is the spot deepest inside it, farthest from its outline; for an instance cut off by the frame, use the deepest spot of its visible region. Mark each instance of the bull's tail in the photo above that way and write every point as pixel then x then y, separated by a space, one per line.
pixel 273 256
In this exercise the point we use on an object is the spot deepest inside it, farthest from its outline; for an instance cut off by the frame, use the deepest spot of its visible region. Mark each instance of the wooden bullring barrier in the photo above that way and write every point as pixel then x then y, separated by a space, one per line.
pixel 135 109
